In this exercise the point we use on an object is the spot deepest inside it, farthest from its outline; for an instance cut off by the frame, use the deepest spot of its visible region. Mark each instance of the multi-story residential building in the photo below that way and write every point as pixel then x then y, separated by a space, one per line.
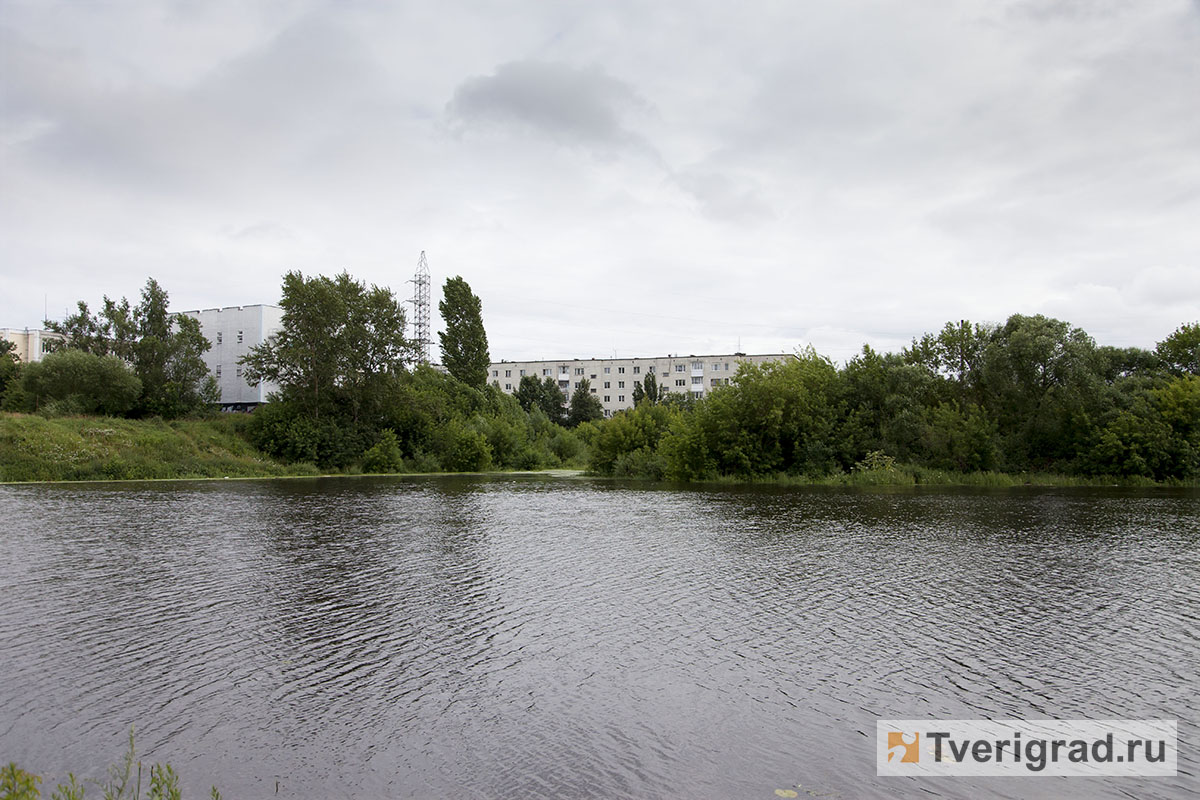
pixel 612 379
pixel 232 331
pixel 32 344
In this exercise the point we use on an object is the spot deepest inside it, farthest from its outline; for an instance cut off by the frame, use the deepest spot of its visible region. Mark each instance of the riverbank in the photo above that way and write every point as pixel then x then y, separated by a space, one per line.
pixel 908 475
pixel 33 448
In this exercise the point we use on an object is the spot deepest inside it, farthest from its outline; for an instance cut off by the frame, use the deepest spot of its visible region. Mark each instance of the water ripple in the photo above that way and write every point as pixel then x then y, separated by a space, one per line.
pixel 531 638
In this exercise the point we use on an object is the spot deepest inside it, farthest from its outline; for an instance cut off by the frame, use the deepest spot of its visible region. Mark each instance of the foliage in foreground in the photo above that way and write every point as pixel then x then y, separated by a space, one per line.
pixel 124 782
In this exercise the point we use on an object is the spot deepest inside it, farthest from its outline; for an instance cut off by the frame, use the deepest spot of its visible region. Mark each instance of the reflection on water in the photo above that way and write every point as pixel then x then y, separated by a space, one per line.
pixel 531 637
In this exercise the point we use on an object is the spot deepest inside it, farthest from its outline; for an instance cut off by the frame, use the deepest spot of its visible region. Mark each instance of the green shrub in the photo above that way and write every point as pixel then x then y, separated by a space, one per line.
pixel 384 455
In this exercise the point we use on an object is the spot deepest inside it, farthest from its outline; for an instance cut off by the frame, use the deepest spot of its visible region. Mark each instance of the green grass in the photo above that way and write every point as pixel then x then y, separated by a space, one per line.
pixel 33 448
pixel 906 475
pixel 124 783
pixel 909 475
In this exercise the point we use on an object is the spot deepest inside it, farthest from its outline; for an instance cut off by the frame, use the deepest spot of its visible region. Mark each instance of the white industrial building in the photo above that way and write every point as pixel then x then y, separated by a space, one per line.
pixel 32 344
pixel 233 331
pixel 611 380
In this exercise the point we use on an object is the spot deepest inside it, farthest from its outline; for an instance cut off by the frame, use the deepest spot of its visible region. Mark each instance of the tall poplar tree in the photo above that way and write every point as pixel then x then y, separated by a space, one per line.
pixel 464 342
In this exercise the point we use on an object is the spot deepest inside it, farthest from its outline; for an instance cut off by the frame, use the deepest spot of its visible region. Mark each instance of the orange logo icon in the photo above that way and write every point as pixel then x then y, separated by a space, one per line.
pixel 904 745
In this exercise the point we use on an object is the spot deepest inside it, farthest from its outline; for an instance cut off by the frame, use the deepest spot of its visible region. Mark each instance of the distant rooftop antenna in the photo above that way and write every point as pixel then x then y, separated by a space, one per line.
pixel 420 303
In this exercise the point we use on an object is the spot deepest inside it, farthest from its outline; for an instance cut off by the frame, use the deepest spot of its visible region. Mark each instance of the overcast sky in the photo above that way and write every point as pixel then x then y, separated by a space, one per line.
pixel 615 178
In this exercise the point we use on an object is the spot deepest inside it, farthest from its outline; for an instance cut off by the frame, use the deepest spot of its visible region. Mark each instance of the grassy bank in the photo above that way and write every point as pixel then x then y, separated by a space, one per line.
pixel 34 448
pixel 906 475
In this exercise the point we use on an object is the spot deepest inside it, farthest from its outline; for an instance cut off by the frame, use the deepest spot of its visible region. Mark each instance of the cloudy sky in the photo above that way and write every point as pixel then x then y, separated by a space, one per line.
pixel 616 178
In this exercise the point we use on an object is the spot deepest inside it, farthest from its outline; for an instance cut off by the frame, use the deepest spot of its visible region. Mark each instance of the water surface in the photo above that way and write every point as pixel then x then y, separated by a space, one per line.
pixel 532 637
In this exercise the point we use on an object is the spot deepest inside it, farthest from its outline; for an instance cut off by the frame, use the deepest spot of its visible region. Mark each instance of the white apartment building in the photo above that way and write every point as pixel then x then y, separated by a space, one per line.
pixel 32 344
pixel 612 379
pixel 232 331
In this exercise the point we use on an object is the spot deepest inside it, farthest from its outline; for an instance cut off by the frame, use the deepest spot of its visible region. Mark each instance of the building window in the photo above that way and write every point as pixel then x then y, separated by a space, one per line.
pixel 620 384
pixel 637 370
pixel 698 366
pixel 727 366
pixel 716 381
pixel 508 387
pixel 607 384
pixel 716 367
pixel 522 373
pixel 697 380
pixel 239 372
pixel 239 337
pixel 508 373
pixel 679 367
pixel 607 398
pixel 579 370
pixel 680 382
pixel 607 370
pixel 576 384
pixel 621 370
pixel 218 337
pixel 593 376
pixel 620 398
pixel 218 370
pixel 593 391
pixel 650 369
pixel 495 373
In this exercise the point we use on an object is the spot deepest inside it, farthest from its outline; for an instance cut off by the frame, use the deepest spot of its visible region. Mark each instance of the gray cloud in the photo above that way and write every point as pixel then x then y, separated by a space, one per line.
pixel 835 172
pixel 281 102
pixel 570 105
pixel 722 196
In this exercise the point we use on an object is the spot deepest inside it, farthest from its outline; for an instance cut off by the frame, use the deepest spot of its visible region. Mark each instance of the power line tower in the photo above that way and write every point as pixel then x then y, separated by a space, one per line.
pixel 420 303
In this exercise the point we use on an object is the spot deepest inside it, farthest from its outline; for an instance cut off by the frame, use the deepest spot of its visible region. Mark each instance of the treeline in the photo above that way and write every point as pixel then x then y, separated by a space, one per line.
pixel 1031 395
pixel 124 360
pixel 349 398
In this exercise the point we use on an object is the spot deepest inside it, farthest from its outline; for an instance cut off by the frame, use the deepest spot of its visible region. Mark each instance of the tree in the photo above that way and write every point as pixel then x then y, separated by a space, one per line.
pixel 551 401
pixel 464 342
pixel 167 354
pixel 544 395
pixel 76 382
pixel 164 350
pixel 529 392
pixel 646 391
pixel 585 406
pixel 337 342
pixel 1040 380
pixel 10 366
pixel 1180 351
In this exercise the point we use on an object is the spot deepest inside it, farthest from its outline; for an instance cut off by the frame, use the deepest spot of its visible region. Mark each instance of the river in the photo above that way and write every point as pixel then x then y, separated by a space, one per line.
pixel 523 637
